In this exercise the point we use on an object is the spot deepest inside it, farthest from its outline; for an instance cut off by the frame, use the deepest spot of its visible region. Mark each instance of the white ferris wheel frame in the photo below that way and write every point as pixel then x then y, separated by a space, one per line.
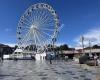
pixel 22 43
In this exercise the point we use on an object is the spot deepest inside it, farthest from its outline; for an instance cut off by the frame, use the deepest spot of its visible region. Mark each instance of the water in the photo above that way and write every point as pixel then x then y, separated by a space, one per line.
pixel 42 70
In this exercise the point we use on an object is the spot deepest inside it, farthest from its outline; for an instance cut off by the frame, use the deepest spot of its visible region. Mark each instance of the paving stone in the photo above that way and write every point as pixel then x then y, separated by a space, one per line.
pixel 63 73
pixel 76 77
pixel 82 75
pixel 87 79
pixel 72 74
pixel 69 71
pixel 19 79
pixel 42 75
pixel 44 78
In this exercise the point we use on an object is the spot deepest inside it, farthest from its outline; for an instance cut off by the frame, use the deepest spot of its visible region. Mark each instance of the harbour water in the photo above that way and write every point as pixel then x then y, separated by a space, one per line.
pixel 43 70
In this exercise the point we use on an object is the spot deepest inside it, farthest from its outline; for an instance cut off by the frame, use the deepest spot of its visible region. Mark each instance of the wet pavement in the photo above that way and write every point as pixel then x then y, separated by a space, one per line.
pixel 42 70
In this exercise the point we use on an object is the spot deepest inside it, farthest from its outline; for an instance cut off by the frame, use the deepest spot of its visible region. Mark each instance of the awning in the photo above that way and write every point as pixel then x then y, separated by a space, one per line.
pixel 18 50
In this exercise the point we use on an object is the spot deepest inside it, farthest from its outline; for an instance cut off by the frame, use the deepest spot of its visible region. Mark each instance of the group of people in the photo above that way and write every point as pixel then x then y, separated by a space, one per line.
pixel 89 59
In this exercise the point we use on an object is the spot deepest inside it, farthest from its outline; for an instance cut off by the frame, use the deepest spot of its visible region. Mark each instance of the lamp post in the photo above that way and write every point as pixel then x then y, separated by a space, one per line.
pixel 82 39
pixel 90 48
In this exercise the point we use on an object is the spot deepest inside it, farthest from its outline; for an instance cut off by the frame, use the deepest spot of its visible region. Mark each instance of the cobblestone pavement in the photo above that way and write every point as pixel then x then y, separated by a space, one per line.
pixel 42 70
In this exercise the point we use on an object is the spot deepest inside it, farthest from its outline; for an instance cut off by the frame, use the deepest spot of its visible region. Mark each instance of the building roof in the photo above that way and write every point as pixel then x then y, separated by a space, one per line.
pixel 70 51
pixel 78 51
pixel 92 51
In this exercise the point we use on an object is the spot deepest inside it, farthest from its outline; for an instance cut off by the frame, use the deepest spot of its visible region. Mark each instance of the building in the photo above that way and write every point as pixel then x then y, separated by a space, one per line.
pixel 93 52
pixel 5 50
pixel 79 52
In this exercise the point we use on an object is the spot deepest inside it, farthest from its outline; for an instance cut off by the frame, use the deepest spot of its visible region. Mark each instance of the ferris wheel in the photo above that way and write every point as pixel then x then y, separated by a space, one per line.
pixel 38 26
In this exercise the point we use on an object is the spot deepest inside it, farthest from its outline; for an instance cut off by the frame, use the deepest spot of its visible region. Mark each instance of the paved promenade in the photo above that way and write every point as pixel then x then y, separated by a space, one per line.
pixel 42 70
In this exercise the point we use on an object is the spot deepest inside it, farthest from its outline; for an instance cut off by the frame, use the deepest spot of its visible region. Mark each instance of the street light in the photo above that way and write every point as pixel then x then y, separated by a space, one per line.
pixel 82 39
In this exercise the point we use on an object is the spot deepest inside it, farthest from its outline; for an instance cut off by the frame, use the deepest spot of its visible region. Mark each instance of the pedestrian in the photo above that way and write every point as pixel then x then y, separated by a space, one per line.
pixel 1 56
pixel 50 59
pixel 95 58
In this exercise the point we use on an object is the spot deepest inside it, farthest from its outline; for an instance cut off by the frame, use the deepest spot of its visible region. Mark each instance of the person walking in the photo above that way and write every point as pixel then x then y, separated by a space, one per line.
pixel 95 58
pixel 50 59
pixel 1 56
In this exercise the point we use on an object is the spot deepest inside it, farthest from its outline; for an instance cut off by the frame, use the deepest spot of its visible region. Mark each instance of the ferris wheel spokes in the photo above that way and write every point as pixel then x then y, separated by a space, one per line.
pixel 37 27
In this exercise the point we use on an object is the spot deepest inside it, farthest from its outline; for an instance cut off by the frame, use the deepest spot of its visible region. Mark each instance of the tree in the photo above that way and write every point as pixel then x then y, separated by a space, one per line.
pixel 16 46
pixel 64 47
pixel 96 46
pixel 57 48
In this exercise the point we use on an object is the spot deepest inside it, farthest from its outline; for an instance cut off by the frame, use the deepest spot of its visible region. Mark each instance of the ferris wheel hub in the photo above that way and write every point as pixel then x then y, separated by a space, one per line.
pixel 33 27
